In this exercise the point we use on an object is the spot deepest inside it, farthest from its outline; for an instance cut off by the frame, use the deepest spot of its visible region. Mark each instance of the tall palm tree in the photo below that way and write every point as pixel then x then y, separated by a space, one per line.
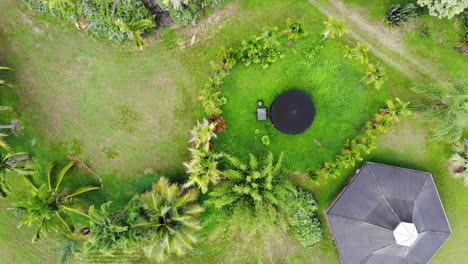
pixel 134 29
pixel 334 28
pixel 49 202
pixel 11 163
pixel 448 106
pixel 169 219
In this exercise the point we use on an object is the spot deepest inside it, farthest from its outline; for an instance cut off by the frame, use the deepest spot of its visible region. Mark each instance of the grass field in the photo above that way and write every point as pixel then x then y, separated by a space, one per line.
pixel 127 114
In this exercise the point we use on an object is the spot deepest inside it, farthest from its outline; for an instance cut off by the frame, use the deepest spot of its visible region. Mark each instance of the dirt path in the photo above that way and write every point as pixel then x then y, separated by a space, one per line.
pixel 385 43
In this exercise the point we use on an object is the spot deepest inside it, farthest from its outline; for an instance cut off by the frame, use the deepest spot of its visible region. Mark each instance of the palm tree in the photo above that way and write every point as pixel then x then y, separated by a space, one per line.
pixel 48 202
pixel 9 164
pixel 359 52
pixel 253 183
pixel 169 219
pixel 134 29
pixel 448 106
pixel 334 28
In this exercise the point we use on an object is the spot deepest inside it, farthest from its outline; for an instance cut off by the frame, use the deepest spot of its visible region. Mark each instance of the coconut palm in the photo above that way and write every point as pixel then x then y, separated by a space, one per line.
pixel 448 106
pixel 134 29
pixel 334 28
pixel 257 184
pixel 169 219
pixel 49 202
pixel 12 163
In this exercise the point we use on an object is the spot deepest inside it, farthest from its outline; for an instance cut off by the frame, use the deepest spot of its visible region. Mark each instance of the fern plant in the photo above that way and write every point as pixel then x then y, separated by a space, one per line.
pixel 256 183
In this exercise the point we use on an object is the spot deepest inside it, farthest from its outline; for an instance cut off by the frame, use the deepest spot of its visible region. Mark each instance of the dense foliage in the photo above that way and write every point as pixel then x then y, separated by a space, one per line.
pixel 444 8
pixel 97 16
pixel 186 12
pixel 459 161
pixel 303 221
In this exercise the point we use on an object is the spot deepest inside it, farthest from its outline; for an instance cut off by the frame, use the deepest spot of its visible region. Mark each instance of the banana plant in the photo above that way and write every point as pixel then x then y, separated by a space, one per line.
pixel 134 29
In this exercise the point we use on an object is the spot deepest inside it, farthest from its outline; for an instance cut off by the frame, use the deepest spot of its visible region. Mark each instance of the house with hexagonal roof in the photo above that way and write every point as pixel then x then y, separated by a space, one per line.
pixel 388 215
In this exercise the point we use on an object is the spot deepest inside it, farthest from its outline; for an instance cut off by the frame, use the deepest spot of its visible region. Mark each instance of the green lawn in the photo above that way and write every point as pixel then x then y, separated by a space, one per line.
pixel 127 113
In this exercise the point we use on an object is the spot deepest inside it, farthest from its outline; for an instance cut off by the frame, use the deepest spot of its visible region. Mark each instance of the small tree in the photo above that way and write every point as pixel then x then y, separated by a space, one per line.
pixel 444 8
pixel 134 29
pixel 334 28
pixel 294 29
pixel 375 75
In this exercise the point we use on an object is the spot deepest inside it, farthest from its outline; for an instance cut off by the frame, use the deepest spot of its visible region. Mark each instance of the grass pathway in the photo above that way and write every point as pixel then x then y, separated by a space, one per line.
pixel 383 42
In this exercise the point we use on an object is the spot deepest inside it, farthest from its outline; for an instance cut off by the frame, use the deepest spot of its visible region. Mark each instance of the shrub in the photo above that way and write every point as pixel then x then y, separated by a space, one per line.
pixel 444 8
pixel 265 140
pixel 398 14
pixel 303 221
pixel 220 123
pixel 459 161
pixel 98 16
pixel 311 51
pixel 186 12
pixel 375 75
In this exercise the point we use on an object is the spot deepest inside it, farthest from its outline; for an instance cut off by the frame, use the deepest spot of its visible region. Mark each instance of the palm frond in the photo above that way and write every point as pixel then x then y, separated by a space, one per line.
pixel 62 174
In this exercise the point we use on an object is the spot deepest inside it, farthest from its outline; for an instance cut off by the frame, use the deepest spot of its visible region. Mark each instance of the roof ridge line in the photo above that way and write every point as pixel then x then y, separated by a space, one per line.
pixel 368 256
pixel 360 221
pixel 380 191
pixel 435 232
pixel 417 196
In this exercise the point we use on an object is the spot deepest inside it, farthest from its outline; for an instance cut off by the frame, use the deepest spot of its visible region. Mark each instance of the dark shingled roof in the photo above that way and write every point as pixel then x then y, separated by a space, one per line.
pixel 363 217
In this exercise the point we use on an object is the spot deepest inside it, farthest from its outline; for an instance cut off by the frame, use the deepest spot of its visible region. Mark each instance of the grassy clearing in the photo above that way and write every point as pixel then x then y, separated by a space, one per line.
pixel 343 103
pixel 127 112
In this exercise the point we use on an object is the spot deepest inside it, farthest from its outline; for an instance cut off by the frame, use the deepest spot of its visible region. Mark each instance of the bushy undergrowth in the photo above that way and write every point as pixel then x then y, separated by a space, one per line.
pixel 303 221
pixel 98 16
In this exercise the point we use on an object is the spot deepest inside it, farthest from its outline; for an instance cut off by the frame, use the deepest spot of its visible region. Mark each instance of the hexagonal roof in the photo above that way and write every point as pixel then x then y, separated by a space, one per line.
pixel 376 202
